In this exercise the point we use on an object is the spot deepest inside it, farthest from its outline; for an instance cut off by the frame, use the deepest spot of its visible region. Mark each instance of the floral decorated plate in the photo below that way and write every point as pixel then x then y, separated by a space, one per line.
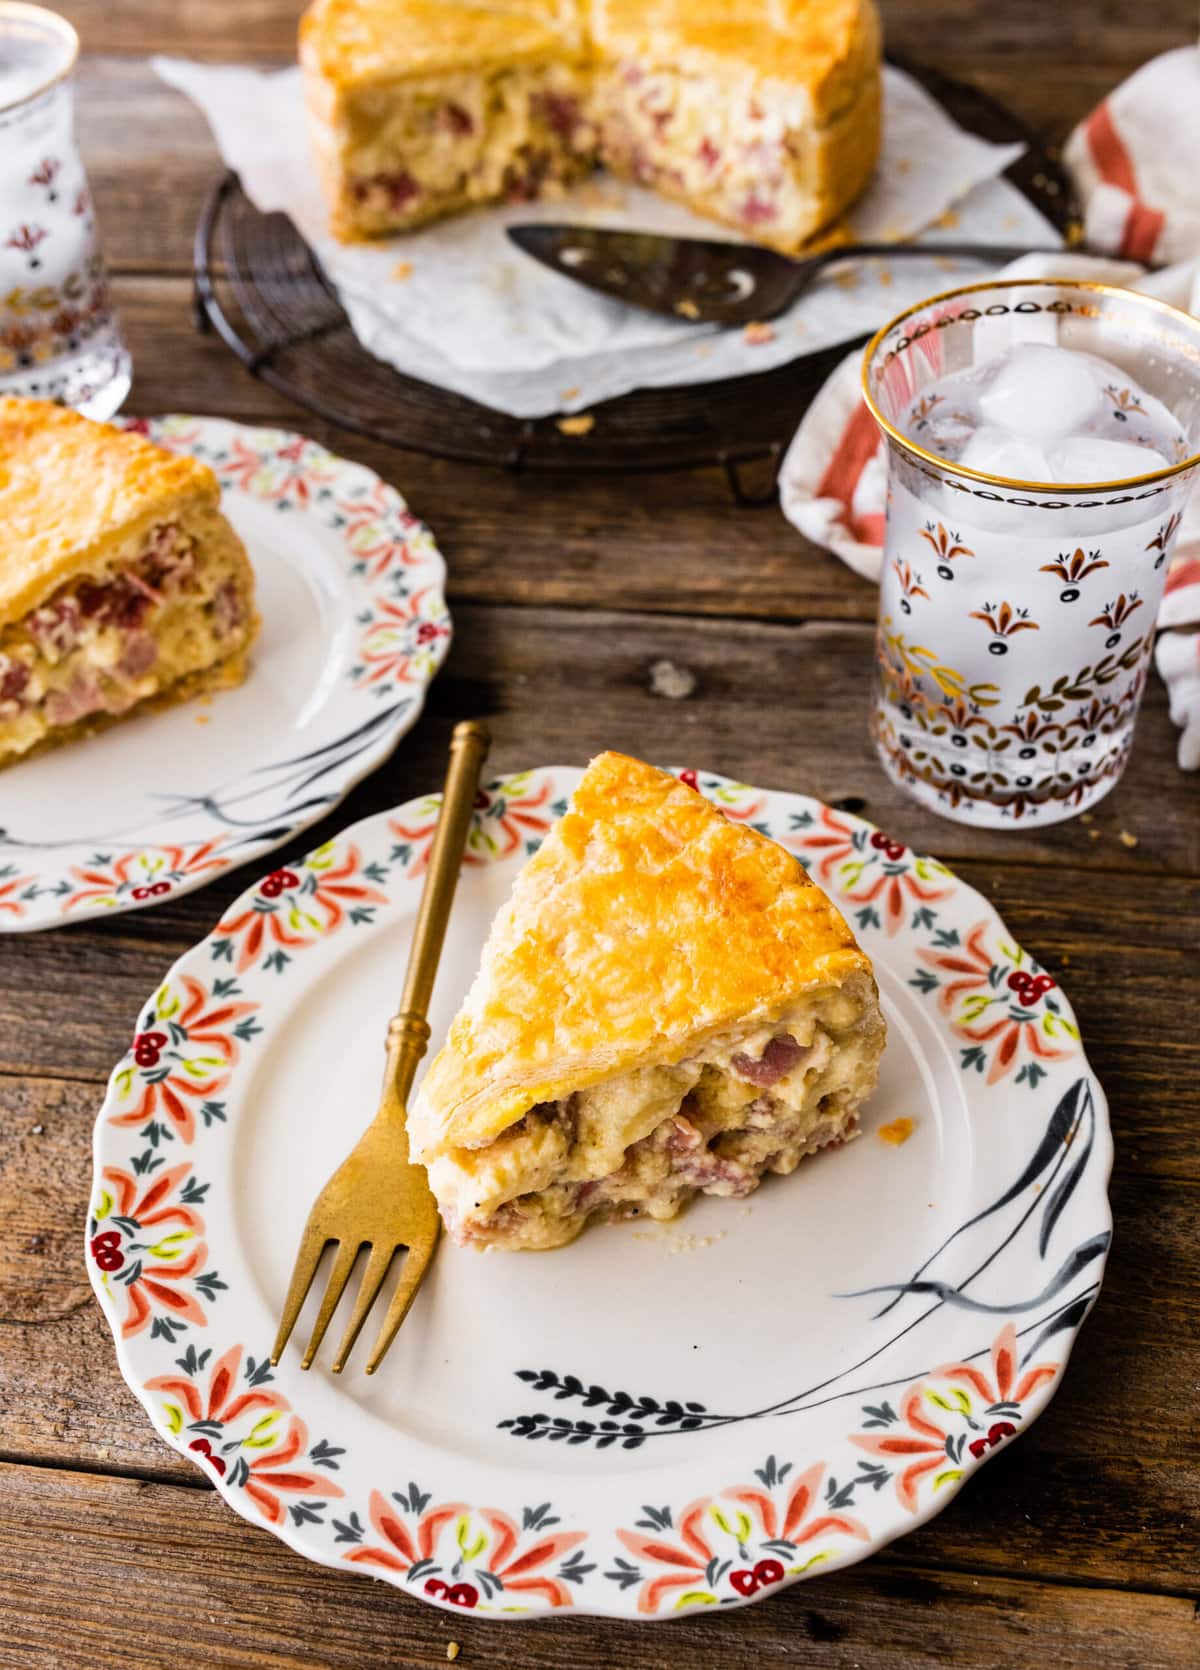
pixel 354 628
pixel 658 1419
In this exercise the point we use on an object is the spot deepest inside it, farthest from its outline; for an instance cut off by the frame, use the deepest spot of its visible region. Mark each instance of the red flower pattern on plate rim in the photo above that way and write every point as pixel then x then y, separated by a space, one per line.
pixel 1009 980
pixel 925 1446
pixel 171 1072
pixel 144 873
pixel 167 1265
pixel 507 813
pixel 750 1520
pixel 295 907
pixel 277 1434
pixel 11 887
pixel 488 1545
pixel 883 872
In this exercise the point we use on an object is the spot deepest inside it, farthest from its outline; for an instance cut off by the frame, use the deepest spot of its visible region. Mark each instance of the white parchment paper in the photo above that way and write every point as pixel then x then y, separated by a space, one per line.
pixel 457 305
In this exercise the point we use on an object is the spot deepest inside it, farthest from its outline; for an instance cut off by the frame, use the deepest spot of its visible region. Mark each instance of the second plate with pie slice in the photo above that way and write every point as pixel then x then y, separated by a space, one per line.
pixel 354 628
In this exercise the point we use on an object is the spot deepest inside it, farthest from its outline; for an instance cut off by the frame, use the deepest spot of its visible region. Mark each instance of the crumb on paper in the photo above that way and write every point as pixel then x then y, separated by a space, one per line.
pixel 687 308
pixel 702 350
pixel 883 274
pixel 670 680
pixel 581 425
pixel 902 165
pixel 1126 839
pixel 898 1131
pixel 452 1650
pixel 203 718
pixel 948 219
pixel 402 270
pixel 758 332
pixel 570 394
pixel 946 264
pixel 846 279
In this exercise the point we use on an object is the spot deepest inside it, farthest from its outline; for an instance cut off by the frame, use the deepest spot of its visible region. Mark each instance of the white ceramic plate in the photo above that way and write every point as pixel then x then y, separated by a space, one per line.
pixel 657 1418
pixel 354 628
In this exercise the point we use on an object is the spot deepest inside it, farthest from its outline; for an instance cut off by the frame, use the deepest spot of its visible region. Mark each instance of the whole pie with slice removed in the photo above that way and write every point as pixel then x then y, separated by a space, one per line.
pixel 667 1005
pixel 121 583
pixel 763 114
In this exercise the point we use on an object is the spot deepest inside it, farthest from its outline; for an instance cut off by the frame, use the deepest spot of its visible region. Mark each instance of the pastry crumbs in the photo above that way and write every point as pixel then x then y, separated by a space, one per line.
pixel 582 425
pixel 758 332
pixel 452 1650
pixel 1126 839
pixel 687 308
pixel 570 394
pixel 898 1131
pixel 402 269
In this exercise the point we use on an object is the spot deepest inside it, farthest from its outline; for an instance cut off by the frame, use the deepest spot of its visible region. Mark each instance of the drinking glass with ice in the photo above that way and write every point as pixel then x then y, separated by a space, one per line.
pixel 59 336
pixel 1042 439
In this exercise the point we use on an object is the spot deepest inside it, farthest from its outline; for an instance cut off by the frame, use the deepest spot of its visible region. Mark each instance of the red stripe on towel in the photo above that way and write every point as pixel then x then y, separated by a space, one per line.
pixel 1115 166
pixel 858 445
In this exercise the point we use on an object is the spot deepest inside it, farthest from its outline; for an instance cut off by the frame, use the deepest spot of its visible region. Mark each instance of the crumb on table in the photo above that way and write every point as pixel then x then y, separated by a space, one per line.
pixel 897 1131
pixel 581 425
pixel 452 1650
pixel 1126 839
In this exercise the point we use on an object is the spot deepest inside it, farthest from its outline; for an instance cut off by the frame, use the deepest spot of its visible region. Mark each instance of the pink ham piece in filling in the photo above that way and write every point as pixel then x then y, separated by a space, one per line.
pixel 559 111
pixel 168 560
pixel 456 120
pixel 227 609
pixel 14 676
pixel 82 696
pixel 55 627
pixel 138 656
pixel 777 1060
pixel 401 189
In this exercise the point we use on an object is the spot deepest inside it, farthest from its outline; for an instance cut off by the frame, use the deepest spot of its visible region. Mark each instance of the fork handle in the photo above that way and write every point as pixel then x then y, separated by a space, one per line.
pixel 408 1033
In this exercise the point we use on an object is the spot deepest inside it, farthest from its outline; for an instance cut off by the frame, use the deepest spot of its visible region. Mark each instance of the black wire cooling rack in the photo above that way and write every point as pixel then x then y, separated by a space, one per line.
pixel 260 287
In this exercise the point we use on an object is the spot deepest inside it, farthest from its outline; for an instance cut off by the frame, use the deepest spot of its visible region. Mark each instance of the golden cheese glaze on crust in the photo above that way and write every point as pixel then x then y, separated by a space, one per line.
pixel 646 923
pixel 825 47
pixel 71 489
pixel 356 44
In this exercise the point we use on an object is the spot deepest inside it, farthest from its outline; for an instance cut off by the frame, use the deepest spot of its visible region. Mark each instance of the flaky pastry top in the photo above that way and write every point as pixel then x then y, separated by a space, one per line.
pixel 70 489
pixel 647 923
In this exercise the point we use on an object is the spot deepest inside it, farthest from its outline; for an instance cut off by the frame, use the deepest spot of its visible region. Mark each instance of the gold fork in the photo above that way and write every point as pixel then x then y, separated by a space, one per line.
pixel 377 1198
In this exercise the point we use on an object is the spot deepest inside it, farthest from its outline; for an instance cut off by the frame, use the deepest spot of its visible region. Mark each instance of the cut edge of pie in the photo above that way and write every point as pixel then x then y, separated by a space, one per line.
pixel 122 586
pixel 667 1005
pixel 767 121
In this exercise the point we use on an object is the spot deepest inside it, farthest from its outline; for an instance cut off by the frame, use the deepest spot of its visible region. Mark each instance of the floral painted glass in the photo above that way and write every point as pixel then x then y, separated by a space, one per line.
pixel 1016 618
pixel 59 337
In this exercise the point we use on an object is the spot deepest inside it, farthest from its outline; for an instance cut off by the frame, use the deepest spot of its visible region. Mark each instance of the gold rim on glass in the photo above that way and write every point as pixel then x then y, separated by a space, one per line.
pixel 1056 487
pixel 56 25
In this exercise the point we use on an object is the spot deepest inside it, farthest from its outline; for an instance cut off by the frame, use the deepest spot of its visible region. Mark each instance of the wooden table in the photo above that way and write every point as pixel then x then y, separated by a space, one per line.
pixel 1077 1545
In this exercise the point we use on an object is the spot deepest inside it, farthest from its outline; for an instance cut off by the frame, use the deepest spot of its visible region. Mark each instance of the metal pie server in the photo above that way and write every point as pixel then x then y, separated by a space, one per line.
pixel 707 281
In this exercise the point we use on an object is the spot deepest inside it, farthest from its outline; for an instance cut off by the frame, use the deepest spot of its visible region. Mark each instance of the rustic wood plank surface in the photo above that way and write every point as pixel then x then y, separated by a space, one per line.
pixel 1076 1546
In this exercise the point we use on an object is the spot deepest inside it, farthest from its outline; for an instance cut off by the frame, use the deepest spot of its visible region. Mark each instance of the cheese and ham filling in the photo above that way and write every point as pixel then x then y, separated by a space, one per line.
pixel 643 1143
pixel 169 604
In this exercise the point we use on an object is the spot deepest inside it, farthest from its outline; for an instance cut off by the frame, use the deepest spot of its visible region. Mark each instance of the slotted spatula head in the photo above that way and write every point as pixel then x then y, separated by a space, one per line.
pixel 695 279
